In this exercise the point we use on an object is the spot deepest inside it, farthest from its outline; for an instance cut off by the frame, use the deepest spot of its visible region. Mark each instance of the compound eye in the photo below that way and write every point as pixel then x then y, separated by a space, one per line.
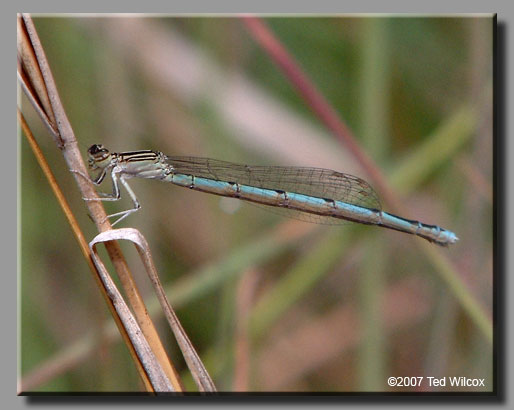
pixel 98 152
pixel 95 149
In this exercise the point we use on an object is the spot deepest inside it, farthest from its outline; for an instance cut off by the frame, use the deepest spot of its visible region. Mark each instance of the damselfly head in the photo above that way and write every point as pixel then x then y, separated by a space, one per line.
pixel 99 156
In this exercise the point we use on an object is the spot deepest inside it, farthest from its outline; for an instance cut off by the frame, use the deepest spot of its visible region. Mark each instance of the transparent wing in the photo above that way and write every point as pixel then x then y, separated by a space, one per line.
pixel 316 182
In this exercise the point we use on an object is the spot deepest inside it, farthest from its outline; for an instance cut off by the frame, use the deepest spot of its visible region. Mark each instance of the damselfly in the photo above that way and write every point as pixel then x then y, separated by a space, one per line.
pixel 311 194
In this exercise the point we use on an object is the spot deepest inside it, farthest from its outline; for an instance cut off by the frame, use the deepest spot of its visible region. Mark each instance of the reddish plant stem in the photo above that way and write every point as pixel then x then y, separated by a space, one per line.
pixel 317 102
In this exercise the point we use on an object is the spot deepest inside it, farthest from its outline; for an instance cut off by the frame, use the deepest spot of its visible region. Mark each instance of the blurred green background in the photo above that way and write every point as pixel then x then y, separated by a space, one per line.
pixel 271 304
